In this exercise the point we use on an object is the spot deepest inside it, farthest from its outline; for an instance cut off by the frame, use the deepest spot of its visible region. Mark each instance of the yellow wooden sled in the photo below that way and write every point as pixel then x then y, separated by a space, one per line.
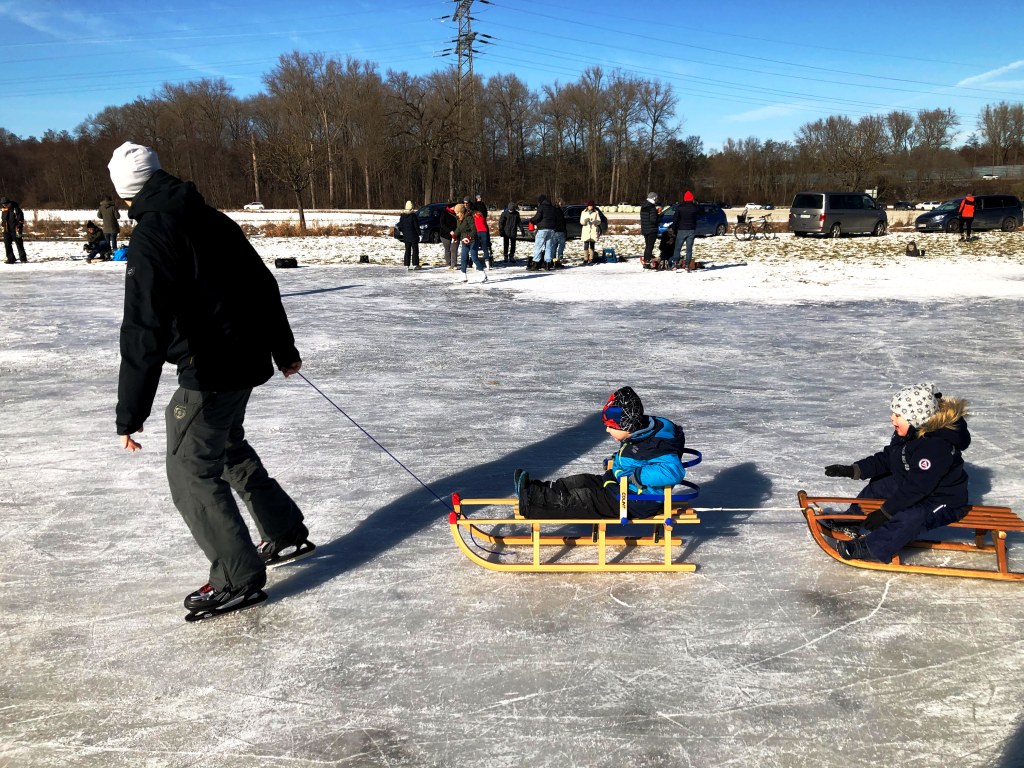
pixel 523 532
pixel 986 522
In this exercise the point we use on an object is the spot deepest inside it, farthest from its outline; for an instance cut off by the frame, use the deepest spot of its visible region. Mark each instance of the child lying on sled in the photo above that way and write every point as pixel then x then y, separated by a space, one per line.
pixel 920 475
pixel 649 456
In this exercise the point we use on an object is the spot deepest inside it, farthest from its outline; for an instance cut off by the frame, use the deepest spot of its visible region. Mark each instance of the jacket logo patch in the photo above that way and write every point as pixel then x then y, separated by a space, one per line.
pixel 131 271
pixel 179 412
pixel 924 464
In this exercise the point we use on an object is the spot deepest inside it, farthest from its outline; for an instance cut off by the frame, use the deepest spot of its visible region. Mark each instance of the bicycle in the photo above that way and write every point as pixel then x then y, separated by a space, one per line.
pixel 759 227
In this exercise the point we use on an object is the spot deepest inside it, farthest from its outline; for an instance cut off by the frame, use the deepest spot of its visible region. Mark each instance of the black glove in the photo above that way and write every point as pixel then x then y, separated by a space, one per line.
pixel 877 519
pixel 840 470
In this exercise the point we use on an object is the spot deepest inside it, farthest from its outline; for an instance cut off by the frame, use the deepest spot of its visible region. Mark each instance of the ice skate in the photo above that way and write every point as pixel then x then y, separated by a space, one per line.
pixel 208 601
pixel 293 546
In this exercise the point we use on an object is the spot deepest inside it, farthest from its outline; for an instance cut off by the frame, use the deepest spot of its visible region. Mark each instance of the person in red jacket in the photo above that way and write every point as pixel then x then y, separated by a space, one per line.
pixel 966 213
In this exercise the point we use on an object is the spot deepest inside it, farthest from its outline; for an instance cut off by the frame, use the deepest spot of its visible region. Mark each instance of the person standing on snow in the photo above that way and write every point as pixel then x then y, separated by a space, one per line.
pixel 684 222
pixel 447 222
pixel 650 218
pixel 508 226
pixel 966 214
pixel 409 229
pixel 197 294
pixel 544 222
pixel 108 216
pixel 590 230
pixel 12 218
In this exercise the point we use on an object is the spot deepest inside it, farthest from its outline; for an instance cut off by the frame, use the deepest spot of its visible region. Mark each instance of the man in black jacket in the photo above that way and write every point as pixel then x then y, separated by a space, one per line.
pixel 650 218
pixel 199 296
pixel 545 220
pixel 13 221
pixel 684 224
pixel 508 225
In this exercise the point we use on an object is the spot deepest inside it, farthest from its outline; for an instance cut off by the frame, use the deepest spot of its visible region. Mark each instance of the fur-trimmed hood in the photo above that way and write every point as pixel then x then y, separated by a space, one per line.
pixel 949 423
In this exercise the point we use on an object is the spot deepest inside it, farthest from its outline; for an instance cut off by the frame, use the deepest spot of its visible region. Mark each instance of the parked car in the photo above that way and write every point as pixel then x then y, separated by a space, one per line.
pixel 573 229
pixel 930 205
pixel 990 212
pixel 256 206
pixel 752 206
pixel 712 220
pixel 989 177
pixel 903 205
pixel 835 214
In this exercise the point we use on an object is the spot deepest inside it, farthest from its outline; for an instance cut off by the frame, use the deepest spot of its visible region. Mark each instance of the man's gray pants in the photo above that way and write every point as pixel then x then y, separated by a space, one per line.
pixel 207 457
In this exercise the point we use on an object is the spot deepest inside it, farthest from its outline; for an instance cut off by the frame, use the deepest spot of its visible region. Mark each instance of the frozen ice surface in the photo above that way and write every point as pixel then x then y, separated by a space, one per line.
pixel 388 648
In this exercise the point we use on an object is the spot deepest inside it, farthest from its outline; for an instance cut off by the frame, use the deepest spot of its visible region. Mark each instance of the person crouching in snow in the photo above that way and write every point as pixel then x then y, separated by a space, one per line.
pixel 96 244
pixel 649 457
pixel 920 475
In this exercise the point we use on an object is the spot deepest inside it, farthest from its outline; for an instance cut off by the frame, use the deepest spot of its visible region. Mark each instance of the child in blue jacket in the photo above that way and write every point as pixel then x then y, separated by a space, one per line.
pixel 649 456
pixel 920 474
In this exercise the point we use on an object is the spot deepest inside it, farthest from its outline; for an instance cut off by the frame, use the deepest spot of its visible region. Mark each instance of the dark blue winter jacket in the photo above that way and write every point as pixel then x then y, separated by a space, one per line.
pixel 928 467
pixel 409 228
pixel 650 458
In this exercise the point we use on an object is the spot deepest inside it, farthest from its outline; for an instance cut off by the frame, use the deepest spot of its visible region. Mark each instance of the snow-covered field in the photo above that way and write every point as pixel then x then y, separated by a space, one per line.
pixel 388 648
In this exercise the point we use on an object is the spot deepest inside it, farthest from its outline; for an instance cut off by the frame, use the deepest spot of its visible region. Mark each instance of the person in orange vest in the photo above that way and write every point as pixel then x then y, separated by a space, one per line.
pixel 966 213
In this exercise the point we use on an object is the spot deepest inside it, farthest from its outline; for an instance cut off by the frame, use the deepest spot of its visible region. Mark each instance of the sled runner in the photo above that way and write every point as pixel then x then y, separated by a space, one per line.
pixel 986 522
pixel 621 535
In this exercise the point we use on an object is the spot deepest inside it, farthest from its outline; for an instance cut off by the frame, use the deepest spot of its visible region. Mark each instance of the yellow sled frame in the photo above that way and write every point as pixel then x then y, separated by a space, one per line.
pixel 659 535
pixel 984 521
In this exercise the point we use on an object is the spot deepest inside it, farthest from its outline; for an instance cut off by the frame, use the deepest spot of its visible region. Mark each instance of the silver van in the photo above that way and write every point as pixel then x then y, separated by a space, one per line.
pixel 835 214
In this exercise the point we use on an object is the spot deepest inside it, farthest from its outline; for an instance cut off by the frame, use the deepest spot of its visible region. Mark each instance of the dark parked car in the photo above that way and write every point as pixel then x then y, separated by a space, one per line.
pixel 990 212
pixel 903 205
pixel 712 220
pixel 572 222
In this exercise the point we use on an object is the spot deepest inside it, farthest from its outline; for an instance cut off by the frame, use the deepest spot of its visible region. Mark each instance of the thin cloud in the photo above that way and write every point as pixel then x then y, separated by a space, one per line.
pixel 764 113
pixel 986 77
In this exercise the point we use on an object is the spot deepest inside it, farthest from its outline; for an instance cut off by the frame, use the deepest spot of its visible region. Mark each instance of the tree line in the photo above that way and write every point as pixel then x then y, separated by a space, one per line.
pixel 327 133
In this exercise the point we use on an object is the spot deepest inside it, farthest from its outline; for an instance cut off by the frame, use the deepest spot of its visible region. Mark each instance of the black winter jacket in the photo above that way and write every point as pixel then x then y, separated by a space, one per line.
pixel 649 218
pixel 447 222
pixel 928 467
pixel 559 219
pixel 686 216
pixel 12 218
pixel 508 223
pixel 546 215
pixel 197 294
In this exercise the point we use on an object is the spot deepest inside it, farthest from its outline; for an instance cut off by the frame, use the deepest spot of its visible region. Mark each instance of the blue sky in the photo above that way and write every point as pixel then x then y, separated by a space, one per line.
pixel 740 69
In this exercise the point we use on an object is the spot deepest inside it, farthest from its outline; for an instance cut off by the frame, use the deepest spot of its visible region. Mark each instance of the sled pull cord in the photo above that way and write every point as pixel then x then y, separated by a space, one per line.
pixel 359 427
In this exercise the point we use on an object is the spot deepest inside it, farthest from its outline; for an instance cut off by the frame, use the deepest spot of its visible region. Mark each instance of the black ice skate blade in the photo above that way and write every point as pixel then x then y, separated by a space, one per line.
pixel 254 599
pixel 305 549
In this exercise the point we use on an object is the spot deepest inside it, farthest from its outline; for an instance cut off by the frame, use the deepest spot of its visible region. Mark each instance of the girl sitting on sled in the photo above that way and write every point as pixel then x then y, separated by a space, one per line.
pixel 920 475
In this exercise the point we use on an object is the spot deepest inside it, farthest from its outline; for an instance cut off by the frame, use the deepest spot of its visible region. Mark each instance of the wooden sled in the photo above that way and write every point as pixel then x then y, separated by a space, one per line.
pixel 535 534
pixel 986 522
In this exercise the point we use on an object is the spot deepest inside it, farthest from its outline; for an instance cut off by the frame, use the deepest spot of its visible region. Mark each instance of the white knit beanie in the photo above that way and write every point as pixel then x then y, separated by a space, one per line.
pixel 130 167
pixel 916 403
pixel 408 205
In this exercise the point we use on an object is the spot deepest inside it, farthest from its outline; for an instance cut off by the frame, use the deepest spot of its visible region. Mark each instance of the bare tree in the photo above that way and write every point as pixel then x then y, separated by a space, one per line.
pixel 658 106
pixel 1002 131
